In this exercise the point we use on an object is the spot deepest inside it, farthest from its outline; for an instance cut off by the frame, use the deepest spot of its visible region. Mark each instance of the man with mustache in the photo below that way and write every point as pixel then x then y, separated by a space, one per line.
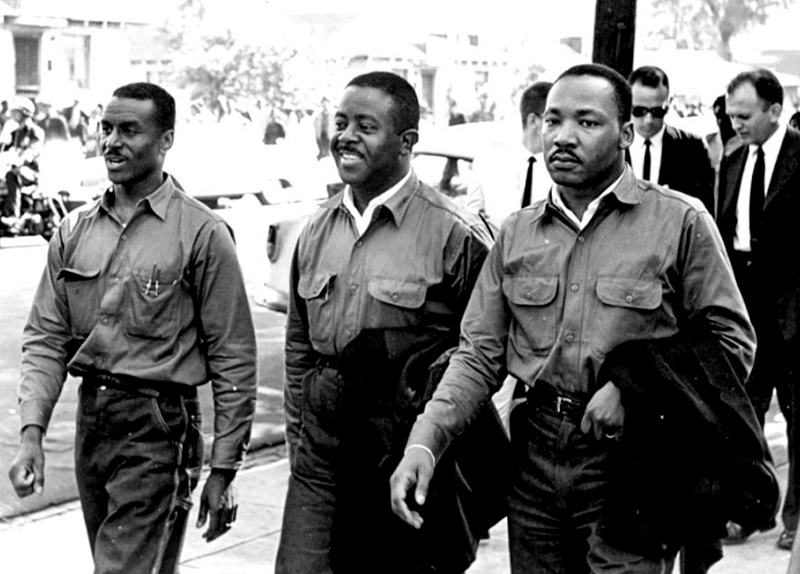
pixel 143 298
pixel 606 259
pixel 385 267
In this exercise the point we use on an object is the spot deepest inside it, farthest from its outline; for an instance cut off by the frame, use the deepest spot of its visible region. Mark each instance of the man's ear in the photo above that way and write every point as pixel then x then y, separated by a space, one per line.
pixel 626 135
pixel 408 140
pixel 775 111
pixel 167 139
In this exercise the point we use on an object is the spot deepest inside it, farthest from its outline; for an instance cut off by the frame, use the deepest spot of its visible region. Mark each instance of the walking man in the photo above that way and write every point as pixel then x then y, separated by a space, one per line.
pixel 607 259
pixel 381 274
pixel 759 187
pixel 143 298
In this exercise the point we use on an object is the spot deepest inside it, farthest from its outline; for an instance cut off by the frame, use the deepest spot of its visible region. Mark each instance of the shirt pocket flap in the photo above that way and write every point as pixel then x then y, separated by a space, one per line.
pixel 313 286
pixel 72 274
pixel 400 293
pixel 630 293
pixel 536 291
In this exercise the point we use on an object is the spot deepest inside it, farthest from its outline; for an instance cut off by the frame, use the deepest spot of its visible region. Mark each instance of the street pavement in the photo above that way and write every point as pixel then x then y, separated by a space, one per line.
pixel 54 541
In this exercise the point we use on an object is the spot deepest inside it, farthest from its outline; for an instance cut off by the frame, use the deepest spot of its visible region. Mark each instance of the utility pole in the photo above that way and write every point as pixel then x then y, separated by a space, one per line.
pixel 615 34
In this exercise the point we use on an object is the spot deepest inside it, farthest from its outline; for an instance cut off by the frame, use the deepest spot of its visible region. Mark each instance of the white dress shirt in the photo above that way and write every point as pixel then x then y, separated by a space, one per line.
pixel 771 147
pixel 656 149
pixel 498 181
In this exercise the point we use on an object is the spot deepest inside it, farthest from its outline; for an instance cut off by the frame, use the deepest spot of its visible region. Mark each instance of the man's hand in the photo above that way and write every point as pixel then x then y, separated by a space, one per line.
pixel 218 503
pixel 604 414
pixel 416 468
pixel 27 469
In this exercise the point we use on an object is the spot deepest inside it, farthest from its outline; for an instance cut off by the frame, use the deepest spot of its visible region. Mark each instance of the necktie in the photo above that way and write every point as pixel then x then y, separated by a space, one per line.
pixel 526 195
pixel 646 165
pixel 756 195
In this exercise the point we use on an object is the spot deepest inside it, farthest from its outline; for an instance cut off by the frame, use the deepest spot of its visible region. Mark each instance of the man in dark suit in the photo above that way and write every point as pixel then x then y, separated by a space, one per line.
pixel 663 153
pixel 762 242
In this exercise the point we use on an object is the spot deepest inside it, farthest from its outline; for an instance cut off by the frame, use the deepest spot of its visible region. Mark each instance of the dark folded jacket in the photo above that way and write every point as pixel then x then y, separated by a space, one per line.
pixel 389 375
pixel 692 454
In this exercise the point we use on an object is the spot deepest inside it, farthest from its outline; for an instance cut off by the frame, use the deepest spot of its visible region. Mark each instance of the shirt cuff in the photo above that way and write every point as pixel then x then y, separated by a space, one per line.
pixel 425 448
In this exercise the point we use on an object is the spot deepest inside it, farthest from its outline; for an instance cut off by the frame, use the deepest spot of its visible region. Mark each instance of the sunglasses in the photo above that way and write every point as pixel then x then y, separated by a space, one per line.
pixel 641 111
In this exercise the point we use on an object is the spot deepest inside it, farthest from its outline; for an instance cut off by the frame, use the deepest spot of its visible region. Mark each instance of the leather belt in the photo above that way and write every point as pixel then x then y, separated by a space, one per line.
pixel 544 396
pixel 134 386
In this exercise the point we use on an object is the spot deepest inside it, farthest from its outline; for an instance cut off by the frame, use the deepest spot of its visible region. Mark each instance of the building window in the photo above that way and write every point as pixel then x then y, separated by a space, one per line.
pixel 26 57
pixel 77 57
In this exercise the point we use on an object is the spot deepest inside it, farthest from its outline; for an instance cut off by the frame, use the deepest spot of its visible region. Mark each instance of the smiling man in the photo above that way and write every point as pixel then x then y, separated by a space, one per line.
pixel 381 276
pixel 605 260
pixel 143 298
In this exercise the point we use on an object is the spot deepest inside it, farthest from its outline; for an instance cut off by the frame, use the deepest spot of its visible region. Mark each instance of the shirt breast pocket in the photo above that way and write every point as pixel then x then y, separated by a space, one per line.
pixel 630 305
pixel 316 291
pixel 533 302
pixel 154 304
pixel 83 298
pixel 398 303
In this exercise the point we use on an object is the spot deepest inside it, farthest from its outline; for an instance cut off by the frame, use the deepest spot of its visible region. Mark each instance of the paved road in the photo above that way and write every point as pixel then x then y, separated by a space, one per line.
pixel 21 263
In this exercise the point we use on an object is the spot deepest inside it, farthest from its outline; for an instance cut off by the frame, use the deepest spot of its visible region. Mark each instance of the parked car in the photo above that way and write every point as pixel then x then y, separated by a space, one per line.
pixel 442 159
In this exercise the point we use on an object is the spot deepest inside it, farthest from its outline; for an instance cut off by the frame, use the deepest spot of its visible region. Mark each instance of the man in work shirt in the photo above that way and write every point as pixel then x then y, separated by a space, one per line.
pixel 387 256
pixel 607 259
pixel 143 298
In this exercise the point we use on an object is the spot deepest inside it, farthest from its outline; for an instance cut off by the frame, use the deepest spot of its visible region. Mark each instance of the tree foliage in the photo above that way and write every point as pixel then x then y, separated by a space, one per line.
pixel 229 57
pixel 709 24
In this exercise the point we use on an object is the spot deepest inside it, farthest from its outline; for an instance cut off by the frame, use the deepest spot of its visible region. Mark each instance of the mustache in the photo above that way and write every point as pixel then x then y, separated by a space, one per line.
pixel 563 153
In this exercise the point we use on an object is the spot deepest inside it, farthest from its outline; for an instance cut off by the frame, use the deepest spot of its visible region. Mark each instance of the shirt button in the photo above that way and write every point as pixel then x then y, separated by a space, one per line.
pixel 573 287
pixel 529 295
pixel 395 297
pixel 629 298
pixel 104 319
pixel 124 237
pixel 570 337
pixel 353 288
pixel 581 239
pixel 359 243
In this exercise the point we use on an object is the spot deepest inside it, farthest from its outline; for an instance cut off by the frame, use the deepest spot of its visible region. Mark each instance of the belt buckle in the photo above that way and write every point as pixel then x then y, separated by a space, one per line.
pixel 563 402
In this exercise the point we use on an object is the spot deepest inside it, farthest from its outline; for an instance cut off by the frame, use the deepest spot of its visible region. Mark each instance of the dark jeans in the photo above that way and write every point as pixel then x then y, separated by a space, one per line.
pixel 559 485
pixel 137 459
pixel 337 517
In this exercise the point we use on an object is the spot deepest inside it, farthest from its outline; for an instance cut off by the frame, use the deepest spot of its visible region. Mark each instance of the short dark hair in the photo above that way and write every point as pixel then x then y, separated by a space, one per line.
pixel 163 102
pixel 649 76
pixel 405 113
pixel 534 99
pixel 622 89
pixel 766 84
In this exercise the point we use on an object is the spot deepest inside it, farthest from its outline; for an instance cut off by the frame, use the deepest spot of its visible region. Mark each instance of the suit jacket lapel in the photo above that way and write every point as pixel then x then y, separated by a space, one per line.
pixel 733 182
pixel 667 154
pixel 785 165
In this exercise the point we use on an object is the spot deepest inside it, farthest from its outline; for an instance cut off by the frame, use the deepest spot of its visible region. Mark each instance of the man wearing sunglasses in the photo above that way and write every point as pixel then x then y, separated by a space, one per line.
pixel 664 153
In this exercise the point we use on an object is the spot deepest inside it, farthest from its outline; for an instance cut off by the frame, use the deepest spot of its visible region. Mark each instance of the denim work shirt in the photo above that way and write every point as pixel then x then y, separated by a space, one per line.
pixel 415 266
pixel 161 299
pixel 553 300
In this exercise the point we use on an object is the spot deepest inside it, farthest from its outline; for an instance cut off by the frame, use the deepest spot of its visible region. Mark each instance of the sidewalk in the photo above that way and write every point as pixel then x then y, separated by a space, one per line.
pixel 54 540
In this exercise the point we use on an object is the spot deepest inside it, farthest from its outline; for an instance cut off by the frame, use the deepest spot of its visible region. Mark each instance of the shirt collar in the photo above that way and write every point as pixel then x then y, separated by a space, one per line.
pixel 349 202
pixel 157 201
pixel 622 195
pixel 773 144
pixel 395 199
